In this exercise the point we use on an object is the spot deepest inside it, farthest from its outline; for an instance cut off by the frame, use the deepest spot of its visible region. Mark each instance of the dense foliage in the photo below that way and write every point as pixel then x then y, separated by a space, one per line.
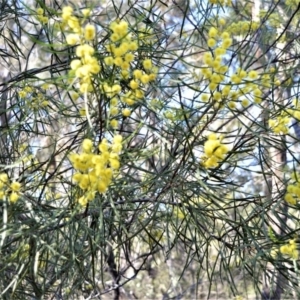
pixel 149 149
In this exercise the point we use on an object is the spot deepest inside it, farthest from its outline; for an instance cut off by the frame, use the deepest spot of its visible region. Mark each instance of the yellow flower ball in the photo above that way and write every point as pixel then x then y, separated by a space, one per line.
pixel 87 145
pixel 39 11
pixel 290 199
pixel 83 201
pixel 14 197
pixel 232 105
pixel 213 32
pixel 137 74
pixel 114 163
pixel 133 46
pixel 245 102
pixel 114 111
pixel 77 177
pixel 82 112
pixel 252 75
pixel 103 146
pixel 86 12
pixel 118 61
pixel 133 84
pixel 204 97
pixel 114 37
pixel 15 186
pixel 89 32
pixel 114 101
pixel 109 60
pixel 211 42
pixel 75 64
pixel 126 112
pixel 125 74
pixel 129 57
pixel 3 177
pixel 102 187
pixel 145 79
pixel 67 10
pixel 226 43
pixel 117 139
pixel 84 50
pixel 114 123
pixel 147 64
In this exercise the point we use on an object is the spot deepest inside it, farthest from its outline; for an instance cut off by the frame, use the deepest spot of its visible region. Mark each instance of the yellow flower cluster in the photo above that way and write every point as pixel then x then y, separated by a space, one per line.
pixel 6 188
pixel 34 98
pixel 290 249
pixel 293 190
pixel 240 86
pixel 86 65
pixel 242 27
pixel 95 171
pixel 121 49
pixel 280 124
pixel 214 70
pixel 214 151
pixel 40 16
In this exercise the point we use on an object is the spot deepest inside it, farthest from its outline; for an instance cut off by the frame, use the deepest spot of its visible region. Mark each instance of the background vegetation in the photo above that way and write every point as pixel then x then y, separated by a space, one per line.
pixel 149 149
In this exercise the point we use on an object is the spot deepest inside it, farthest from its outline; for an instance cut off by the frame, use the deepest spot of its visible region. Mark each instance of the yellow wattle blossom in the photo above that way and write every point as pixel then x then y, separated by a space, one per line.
pixel 6 187
pixel 292 195
pixel 147 64
pixel 67 12
pixel 40 11
pixel 85 65
pixel 213 32
pixel 211 42
pixel 3 178
pixel 95 171
pixel 86 12
pixel 252 75
pixel 84 50
pixel 133 46
pixel 137 74
pixel 89 32
pixel 126 112
pixel 129 57
pixel 113 110
pixel 145 79
pixel 87 145
pixel 280 124
pixel 14 197
pixel 214 151
pixel 290 249
pixel 15 186
pixel 40 16
pixel 133 84
pixel 72 39
pixel 75 64
pixel 245 102
pixel 109 60
pixel 227 43
pixel 225 35
pixel 114 123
